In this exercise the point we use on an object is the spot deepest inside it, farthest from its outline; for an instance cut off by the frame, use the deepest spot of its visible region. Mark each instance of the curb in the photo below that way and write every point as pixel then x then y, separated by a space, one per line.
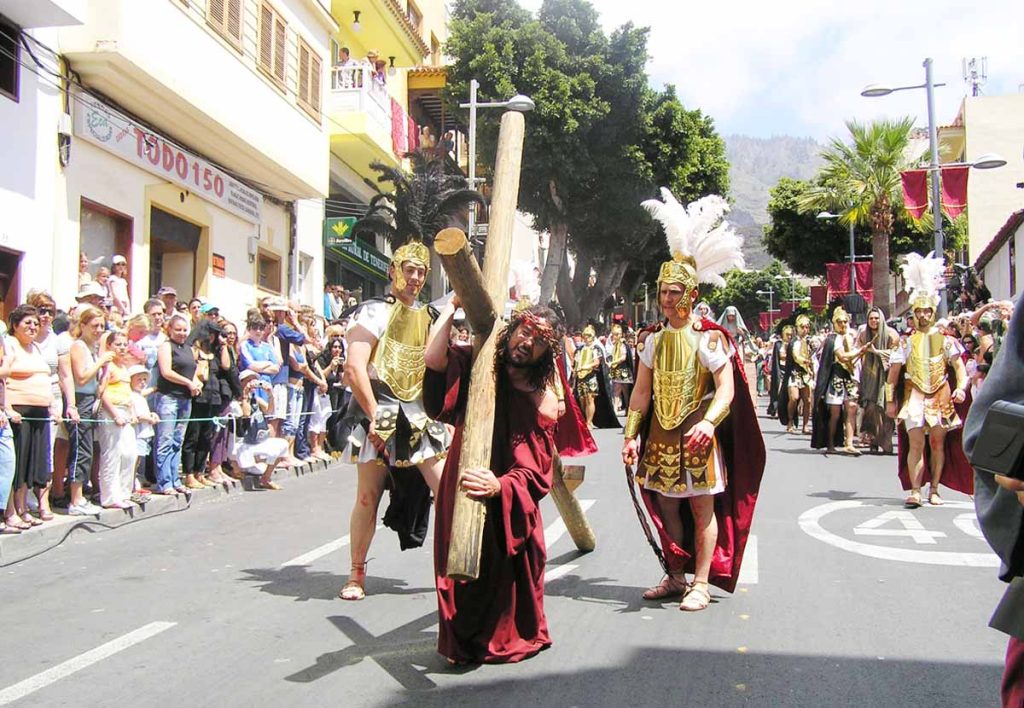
pixel 14 549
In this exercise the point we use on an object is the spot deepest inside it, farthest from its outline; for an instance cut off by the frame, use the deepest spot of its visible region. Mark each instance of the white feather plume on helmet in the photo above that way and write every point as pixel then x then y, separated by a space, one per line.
pixel 925 276
pixel 702 244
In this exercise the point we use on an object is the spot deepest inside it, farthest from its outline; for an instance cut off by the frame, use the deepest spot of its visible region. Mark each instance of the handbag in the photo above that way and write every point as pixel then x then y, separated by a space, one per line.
pixel 1000 445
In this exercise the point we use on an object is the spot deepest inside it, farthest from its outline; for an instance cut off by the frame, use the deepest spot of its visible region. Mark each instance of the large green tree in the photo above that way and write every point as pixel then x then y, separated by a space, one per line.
pixel 600 141
pixel 860 181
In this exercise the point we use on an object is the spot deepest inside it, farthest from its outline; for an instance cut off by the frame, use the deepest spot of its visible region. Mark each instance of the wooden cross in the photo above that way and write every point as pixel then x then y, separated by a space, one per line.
pixel 483 296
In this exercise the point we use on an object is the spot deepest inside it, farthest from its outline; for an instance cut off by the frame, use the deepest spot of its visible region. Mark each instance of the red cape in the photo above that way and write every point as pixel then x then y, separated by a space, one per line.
pixel 739 437
pixel 957 473
pixel 572 437
pixel 499 617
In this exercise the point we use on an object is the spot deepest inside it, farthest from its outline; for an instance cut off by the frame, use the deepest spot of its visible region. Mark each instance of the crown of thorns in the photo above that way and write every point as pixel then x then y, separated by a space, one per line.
pixel 540 327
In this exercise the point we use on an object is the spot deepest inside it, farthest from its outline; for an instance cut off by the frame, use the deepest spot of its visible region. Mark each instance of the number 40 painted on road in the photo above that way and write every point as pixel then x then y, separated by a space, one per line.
pixel 912 527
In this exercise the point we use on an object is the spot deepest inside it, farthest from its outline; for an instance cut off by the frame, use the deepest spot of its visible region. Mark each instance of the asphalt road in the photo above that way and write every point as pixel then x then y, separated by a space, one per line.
pixel 847 600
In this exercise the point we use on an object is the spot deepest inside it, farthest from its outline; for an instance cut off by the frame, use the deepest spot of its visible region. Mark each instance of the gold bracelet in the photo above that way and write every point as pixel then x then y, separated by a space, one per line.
pixel 716 412
pixel 890 391
pixel 633 421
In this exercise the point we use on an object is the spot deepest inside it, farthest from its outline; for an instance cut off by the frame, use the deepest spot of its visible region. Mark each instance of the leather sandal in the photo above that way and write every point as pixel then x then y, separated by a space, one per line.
pixel 934 499
pixel 697 598
pixel 669 587
pixel 353 590
pixel 914 500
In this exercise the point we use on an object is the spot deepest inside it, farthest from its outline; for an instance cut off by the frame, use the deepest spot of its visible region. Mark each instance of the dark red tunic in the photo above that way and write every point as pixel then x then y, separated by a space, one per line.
pixel 500 616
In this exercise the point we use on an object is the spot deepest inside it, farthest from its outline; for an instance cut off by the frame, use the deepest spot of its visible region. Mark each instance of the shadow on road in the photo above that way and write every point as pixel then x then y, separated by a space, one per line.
pixel 302 584
pixel 663 677
pixel 839 495
pixel 602 591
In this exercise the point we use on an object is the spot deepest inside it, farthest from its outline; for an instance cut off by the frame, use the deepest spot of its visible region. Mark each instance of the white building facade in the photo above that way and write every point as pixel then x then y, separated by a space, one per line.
pixel 185 135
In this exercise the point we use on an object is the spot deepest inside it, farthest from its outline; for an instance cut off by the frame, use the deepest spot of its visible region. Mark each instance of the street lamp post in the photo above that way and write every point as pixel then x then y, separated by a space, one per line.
pixel 792 284
pixel 519 102
pixel 984 162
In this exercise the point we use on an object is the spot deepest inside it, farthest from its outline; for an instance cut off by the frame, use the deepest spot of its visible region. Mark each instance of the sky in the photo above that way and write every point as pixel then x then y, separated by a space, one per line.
pixel 786 67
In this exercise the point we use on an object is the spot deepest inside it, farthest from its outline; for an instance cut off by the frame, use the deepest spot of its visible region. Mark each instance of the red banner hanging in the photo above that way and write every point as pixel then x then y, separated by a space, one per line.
pixel 837 276
pixel 915 192
pixel 767 320
pixel 819 297
pixel 954 190
pixel 786 308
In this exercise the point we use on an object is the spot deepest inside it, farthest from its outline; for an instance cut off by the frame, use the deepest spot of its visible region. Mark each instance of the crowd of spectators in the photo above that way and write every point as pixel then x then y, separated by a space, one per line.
pixel 104 404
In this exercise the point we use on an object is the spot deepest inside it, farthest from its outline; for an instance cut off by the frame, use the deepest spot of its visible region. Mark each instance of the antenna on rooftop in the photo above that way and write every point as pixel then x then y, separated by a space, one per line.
pixel 975 73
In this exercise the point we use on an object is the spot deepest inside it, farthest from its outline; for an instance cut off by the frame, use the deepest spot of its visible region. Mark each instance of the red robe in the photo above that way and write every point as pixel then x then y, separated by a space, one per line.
pixel 742 445
pixel 499 617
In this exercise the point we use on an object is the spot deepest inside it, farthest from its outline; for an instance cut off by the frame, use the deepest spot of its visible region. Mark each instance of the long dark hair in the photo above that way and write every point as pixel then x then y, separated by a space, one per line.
pixel 325 356
pixel 543 371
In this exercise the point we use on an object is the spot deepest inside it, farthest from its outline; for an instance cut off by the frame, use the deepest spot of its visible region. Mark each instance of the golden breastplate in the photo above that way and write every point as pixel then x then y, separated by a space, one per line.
pixel 585 359
pixel 680 381
pixel 618 355
pixel 844 344
pixel 802 354
pixel 398 355
pixel 926 365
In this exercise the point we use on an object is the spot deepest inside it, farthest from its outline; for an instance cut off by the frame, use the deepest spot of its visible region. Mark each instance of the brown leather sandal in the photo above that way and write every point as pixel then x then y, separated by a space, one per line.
pixel 670 586
pixel 353 590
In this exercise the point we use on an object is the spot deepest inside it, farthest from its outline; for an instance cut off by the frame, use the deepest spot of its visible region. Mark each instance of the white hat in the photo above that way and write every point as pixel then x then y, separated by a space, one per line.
pixel 136 370
pixel 276 303
pixel 91 289
pixel 246 374
pixel 119 259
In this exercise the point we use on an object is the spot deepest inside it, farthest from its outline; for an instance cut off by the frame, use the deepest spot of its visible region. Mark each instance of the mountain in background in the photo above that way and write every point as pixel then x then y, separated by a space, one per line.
pixel 755 165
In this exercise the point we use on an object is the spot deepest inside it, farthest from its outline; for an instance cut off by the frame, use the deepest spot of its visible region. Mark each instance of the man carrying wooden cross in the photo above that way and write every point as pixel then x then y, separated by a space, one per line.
pixel 691 425
pixel 384 367
pixel 498 617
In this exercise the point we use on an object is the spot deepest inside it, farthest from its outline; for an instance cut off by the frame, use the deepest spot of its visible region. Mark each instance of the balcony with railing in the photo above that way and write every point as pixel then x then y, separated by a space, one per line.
pixel 366 124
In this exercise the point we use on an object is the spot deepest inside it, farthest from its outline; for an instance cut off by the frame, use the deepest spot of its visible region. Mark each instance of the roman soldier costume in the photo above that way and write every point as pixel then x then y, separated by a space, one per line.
pixel 396 373
pixel 682 363
pixel 929 369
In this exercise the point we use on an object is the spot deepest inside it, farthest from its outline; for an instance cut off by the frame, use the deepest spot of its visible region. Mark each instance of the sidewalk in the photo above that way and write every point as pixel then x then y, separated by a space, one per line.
pixel 40 539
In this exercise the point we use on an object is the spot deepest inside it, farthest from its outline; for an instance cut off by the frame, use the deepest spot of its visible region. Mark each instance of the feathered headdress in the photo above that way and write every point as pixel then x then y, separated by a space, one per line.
pixel 703 246
pixel 925 277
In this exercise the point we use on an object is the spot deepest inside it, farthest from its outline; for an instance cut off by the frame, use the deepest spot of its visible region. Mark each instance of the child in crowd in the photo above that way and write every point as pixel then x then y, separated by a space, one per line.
pixel 116 434
pixel 144 420
pixel 253 443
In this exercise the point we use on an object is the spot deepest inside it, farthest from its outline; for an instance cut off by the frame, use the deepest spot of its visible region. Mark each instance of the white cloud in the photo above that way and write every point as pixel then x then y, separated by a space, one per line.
pixel 798 67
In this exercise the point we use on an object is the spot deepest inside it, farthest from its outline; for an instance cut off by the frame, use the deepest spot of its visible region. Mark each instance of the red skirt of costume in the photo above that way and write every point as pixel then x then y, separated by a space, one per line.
pixel 499 617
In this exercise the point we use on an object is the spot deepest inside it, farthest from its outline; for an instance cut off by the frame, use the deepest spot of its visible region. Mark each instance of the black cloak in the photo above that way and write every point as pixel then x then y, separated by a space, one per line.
pixel 819 409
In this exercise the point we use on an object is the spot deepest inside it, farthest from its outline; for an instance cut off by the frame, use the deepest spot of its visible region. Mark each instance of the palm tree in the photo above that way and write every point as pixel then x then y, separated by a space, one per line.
pixel 421 203
pixel 861 182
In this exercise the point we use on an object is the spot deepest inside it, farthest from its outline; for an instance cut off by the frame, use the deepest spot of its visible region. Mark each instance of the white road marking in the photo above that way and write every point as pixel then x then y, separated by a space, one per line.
pixel 748 571
pixel 558 571
pixel 557 529
pixel 968 523
pixel 912 527
pixel 82 661
pixel 810 523
pixel 321 551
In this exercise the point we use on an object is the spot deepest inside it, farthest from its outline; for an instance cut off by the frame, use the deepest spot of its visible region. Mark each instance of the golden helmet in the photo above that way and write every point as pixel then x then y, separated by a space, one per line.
pixel 840 315
pixel 802 320
pixel 412 252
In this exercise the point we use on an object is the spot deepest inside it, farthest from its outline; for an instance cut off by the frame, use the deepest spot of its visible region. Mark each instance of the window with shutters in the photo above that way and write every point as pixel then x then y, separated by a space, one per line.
pixel 225 16
pixel 273 33
pixel 309 80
